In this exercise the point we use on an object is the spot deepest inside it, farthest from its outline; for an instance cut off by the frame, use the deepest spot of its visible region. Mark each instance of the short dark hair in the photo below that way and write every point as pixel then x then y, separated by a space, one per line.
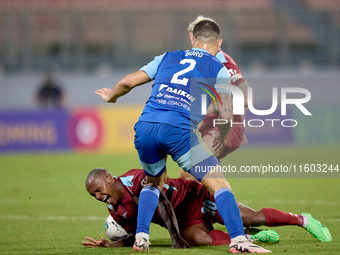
pixel 95 173
pixel 207 30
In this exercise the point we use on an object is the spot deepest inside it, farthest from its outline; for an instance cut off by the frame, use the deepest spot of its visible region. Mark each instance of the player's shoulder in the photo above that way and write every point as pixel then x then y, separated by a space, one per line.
pixel 233 69
pixel 173 55
pixel 130 176
pixel 176 52
pixel 225 58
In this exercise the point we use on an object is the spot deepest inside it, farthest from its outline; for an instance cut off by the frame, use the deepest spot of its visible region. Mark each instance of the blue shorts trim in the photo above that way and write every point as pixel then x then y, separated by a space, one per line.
pixel 202 168
pixel 158 167
pixel 157 175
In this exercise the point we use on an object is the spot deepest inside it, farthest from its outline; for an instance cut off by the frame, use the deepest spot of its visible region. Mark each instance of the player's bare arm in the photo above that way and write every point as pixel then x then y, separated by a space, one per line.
pixel 168 215
pixel 94 243
pixel 225 112
pixel 123 86
pixel 244 87
pixel 212 108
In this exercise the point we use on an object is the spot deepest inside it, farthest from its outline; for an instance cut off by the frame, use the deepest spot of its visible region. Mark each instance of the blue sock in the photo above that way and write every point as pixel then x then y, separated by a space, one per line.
pixel 147 204
pixel 229 212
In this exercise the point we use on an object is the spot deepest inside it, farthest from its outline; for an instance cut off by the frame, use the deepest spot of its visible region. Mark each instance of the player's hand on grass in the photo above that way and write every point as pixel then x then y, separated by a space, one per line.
pixel 219 142
pixel 93 243
pixel 180 244
pixel 104 93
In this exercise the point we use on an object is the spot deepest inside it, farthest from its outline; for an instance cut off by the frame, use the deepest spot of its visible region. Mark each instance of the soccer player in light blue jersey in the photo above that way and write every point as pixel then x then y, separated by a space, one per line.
pixel 183 80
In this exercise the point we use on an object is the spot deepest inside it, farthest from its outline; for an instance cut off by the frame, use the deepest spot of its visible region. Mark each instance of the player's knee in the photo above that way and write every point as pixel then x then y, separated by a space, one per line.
pixel 221 183
pixel 151 182
pixel 215 184
pixel 200 238
pixel 247 221
pixel 184 175
pixel 226 184
pixel 197 235
pixel 157 181
pixel 257 218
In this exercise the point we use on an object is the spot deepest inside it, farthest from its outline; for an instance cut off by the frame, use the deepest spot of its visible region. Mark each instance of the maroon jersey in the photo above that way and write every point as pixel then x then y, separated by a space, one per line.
pixel 191 201
pixel 235 74
pixel 235 135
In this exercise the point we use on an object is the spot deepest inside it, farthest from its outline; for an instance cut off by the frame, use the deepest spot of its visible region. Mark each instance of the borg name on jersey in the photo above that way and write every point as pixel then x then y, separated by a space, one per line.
pixel 194 53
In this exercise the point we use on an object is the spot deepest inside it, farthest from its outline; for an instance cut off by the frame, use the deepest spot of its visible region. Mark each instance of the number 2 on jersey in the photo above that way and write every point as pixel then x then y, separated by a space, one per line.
pixel 191 67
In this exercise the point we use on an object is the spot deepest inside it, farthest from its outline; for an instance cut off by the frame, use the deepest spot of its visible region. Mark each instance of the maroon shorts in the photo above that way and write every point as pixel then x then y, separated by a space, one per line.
pixel 200 209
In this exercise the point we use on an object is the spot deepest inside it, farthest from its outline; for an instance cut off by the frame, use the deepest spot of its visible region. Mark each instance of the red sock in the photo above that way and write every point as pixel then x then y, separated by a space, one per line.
pixel 219 237
pixel 276 217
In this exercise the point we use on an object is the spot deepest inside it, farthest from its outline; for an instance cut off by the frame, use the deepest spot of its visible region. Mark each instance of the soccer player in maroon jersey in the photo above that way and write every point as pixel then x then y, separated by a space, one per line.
pixel 194 207
pixel 236 135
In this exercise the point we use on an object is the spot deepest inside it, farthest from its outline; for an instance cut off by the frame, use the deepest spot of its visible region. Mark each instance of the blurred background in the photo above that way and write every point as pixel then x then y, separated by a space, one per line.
pixel 55 53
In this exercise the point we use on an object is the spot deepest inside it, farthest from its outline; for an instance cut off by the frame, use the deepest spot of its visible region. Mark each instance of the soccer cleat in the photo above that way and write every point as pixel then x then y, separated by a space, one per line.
pixel 319 231
pixel 246 247
pixel 141 244
pixel 263 235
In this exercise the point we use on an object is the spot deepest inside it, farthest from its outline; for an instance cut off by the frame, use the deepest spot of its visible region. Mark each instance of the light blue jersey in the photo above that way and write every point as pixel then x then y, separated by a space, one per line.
pixel 167 126
pixel 181 77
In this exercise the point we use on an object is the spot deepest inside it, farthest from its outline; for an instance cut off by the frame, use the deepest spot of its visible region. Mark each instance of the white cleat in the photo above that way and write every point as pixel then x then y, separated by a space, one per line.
pixel 246 247
pixel 141 244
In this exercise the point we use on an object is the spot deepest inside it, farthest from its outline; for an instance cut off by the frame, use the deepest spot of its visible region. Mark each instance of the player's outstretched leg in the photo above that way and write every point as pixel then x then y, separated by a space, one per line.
pixel 262 235
pixel 314 227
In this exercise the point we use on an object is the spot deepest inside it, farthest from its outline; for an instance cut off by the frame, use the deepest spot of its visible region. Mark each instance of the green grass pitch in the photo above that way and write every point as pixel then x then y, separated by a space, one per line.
pixel 45 209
